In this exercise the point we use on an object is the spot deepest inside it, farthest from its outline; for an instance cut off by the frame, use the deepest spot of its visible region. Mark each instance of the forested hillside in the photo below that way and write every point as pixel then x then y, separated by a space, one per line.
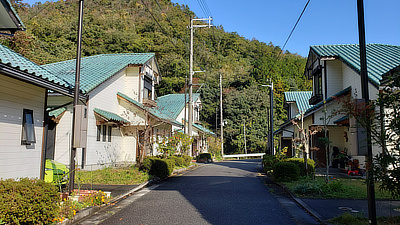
pixel 119 26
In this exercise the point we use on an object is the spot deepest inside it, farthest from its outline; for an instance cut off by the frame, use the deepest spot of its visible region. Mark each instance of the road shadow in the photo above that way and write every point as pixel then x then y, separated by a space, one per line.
pixel 229 192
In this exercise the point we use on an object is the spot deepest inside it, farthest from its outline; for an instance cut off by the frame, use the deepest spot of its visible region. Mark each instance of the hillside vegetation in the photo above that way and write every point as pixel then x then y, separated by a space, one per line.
pixel 160 26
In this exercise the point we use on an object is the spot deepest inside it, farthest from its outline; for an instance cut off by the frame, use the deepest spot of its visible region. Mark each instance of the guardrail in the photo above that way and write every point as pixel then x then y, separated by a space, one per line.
pixel 244 155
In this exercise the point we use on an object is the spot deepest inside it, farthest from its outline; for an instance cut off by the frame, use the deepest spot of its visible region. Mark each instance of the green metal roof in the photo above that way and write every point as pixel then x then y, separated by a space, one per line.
pixel 97 69
pixel 301 98
pixel 110 116
pixel 57 112
pixel 17 61
pixel 200 127
pixel 380 58
pixel 153 111
pixel 333 97
pixel 173 104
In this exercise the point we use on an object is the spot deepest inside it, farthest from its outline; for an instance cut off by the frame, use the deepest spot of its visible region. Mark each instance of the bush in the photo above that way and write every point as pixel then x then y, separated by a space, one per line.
pixel 187 160
pixel 269 162
pixel 286 171
pixel 308 189
pixel 146 165
pixel 28 201
pixel 162 168
pixel 300 163
pixel 179 162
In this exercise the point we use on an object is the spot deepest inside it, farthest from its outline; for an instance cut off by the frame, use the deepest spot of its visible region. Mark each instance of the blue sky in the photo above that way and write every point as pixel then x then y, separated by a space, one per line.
pixel 324 21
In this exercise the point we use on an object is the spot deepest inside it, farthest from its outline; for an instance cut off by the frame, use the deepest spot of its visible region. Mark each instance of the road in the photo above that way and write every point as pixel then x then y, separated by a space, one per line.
pixel 230 192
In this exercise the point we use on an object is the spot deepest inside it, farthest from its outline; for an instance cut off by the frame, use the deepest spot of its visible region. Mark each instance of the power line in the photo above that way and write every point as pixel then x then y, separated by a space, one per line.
pixel 295 25
pixel 287 39
pixel 204 8
pixel 162 29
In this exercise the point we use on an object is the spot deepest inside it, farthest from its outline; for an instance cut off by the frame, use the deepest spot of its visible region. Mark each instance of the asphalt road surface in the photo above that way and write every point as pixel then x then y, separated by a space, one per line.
pixel 229 192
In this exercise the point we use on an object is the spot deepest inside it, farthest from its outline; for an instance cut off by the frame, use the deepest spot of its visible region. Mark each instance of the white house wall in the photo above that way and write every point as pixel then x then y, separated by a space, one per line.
pixel 334 78
pixel 19 160
pixel 105 97
pixel 63 137
pixel 132 83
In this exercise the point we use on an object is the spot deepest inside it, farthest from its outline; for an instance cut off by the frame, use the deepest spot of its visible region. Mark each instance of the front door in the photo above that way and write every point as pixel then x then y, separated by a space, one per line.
pixel 319 150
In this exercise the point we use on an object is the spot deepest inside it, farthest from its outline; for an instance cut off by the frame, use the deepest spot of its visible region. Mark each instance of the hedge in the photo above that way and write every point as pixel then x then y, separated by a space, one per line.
pixel 286 171
pixel 28 201
pixel 300 163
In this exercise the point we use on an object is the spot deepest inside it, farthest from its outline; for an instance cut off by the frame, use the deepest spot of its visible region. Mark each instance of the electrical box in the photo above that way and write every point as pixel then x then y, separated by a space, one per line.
pixel 81 125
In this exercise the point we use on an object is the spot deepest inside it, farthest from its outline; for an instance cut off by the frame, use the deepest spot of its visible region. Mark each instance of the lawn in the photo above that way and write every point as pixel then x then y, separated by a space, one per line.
pixel 336 188
pixel 124 176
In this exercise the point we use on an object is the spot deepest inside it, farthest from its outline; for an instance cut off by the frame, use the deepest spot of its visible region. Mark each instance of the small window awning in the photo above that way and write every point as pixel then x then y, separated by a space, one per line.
pixel 56 114
pixel 342 121
pixel 110 117
pixel 9 20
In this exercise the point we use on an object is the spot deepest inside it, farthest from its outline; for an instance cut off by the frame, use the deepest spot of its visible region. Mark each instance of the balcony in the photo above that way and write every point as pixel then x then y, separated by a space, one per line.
pixel 149 103
pixel 315 99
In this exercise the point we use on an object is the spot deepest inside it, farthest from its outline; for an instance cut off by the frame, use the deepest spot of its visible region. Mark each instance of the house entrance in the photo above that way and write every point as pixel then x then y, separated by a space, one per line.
pixel 319 150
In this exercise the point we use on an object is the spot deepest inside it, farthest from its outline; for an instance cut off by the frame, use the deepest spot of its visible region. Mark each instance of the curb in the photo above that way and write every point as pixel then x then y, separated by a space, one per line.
pixel 81 214
pixel 302 204
pixel 93 209
pixel 299 202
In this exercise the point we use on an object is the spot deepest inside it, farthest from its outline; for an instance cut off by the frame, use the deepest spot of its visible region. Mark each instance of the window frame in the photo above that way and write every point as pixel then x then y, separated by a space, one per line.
pixel 109 133
pixel 104 133
pixel 98 135
pixel 28 136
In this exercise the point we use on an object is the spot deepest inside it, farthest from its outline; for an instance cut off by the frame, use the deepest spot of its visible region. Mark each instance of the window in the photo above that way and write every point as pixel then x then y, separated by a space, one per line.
pixel 147 88
pixel 104 133
pixel 98 132
pixel 28 128
pixel 109 133
pixel 317 86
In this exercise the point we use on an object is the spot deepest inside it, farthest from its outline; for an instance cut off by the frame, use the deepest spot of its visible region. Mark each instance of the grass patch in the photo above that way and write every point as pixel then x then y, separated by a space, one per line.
pixel 336 188
pixel 125 176
pixel 351 219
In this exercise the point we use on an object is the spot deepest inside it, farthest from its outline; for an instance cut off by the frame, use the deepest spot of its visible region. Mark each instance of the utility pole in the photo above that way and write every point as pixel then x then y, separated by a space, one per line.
pixel 365 96
pixel 76 99
pixel 222 118
pixel 184 122
pixel 190 128
pixel 244 132
pixel 272 119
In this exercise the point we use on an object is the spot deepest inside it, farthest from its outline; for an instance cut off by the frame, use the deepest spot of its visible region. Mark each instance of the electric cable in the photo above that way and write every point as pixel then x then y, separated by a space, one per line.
pixel 287 39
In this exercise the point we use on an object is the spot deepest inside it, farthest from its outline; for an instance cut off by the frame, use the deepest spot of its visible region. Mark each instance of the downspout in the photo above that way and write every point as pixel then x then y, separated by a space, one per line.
pixel 44 139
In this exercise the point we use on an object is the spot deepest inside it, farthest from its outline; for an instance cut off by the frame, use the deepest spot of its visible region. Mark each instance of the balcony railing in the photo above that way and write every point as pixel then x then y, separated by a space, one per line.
pixel 315 99
pixel 149 103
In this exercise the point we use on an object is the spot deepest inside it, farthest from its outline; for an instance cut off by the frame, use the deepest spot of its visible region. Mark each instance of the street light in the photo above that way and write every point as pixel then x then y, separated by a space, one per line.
pixel 271 134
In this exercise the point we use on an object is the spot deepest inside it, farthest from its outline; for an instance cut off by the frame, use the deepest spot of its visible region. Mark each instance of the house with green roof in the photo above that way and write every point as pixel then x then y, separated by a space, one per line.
pixel 335 73
pixel 174 106
pixel 295 103
pixel 24 87
pixel 122 116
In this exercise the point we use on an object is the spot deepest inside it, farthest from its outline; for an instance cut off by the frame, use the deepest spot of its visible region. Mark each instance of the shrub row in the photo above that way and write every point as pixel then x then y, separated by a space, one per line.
pixel 28 201
pixel 163 167
pixel 287 169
